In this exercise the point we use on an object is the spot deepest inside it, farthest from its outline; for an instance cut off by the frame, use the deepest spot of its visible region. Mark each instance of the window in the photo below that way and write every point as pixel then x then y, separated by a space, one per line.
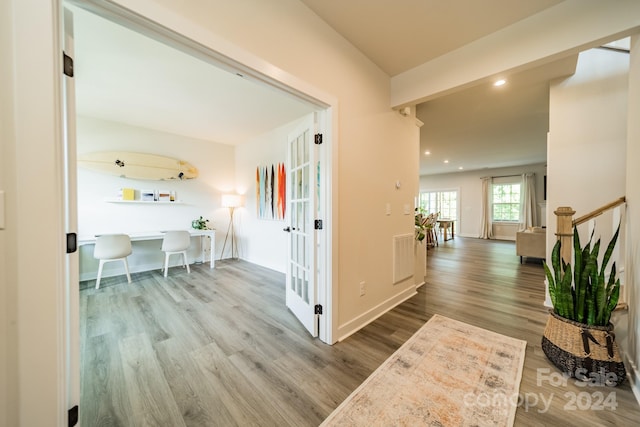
pixel 505 202
pixel 445 202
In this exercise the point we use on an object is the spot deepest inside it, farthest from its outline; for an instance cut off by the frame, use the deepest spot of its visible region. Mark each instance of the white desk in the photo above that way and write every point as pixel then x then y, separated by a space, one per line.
pixel 159 235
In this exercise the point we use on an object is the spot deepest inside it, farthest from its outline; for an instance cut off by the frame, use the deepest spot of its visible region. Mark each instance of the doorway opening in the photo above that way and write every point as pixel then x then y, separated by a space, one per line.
pixel 120 16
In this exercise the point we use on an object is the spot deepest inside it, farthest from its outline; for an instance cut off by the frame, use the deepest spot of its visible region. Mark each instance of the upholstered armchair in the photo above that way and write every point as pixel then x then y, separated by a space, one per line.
pixel 532 243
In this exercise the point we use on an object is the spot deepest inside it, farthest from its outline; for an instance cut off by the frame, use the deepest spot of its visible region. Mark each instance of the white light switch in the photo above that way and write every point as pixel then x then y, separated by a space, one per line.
pixel 407 209
pixel 1 210
pixel 388 208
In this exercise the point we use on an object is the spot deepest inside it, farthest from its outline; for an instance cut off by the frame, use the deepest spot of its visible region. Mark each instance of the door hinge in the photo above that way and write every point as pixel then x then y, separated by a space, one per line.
pixel 67 65
pixel 72 242
pixel 318 139
pixel 317 309
pixel 73 416
pixel 317 224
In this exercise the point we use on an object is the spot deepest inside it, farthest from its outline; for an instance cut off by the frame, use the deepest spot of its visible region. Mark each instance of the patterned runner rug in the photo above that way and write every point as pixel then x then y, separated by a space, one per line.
pixel 448 373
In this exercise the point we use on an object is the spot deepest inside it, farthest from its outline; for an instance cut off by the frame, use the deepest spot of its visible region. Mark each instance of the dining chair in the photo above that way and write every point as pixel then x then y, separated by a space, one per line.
pixel 112 247
pixel 176 242
pixel 432 236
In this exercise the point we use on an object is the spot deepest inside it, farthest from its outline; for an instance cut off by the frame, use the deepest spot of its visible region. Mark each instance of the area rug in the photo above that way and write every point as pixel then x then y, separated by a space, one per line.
pixel 448 373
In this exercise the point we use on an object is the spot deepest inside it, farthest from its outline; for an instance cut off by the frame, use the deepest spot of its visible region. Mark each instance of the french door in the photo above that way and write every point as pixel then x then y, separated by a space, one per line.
pixel 302 202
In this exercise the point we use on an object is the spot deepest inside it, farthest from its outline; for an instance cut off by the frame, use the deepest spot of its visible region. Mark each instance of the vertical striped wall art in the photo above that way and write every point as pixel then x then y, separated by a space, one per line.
pixel 271 190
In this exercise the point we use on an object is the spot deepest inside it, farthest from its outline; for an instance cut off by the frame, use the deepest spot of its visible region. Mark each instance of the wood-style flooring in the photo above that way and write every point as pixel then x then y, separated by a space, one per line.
pixel 219 348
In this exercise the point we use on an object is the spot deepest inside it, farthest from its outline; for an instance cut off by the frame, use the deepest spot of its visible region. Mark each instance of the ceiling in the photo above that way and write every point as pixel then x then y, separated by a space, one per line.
pixel 487 127
pixel 401 34
pixel 126 77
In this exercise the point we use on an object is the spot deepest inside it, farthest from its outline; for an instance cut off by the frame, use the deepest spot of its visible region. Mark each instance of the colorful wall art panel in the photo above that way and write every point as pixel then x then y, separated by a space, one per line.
pixel 271 190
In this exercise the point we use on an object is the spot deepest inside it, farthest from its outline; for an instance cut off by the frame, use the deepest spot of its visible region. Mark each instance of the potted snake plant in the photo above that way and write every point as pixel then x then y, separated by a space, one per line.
pixel 579 337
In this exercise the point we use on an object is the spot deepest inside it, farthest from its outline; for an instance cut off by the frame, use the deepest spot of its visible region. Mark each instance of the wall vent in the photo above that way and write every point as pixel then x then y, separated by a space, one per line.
pixel 402 257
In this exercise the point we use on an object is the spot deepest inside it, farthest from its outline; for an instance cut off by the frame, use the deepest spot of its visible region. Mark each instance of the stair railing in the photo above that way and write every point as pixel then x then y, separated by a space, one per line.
pixel 565 226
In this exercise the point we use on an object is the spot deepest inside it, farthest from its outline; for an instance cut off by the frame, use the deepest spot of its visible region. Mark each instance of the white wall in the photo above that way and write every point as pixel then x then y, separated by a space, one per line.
pixel 33 238
pixel 197 197
pixel 588 135
pixel 591 161
pixel 8 350
pixel 262 241
pixel 469 187
pixel 312 53
pixel 375 146
pixel 632 347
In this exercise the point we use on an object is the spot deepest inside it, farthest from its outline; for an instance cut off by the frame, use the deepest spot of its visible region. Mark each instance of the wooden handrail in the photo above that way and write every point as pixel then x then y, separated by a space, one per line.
pixel 599 211
pixel 565 225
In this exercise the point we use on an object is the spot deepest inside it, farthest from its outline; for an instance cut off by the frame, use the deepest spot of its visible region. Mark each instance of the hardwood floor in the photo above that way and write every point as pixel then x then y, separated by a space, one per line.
pixel 219 348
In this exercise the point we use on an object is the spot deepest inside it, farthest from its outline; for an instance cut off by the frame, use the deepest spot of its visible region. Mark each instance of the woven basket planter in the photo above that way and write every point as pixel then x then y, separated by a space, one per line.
pixel 583 351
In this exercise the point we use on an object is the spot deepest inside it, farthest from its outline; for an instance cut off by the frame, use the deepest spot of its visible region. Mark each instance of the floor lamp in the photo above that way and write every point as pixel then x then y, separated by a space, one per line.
pixel 231 201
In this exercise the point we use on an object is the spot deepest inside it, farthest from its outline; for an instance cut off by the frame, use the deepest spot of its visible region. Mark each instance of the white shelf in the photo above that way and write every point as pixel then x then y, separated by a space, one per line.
pixel 144 202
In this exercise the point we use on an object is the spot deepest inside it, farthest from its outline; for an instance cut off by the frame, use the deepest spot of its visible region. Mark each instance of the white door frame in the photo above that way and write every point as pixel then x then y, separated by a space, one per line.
pixel 327 254
pixel 219 53
pixel 72 260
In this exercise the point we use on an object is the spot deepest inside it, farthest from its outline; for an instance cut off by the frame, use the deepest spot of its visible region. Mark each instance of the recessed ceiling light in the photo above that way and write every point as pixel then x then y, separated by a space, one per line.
pixel 446 161
pixel 499 82
pixel 426 153
pixel 460 168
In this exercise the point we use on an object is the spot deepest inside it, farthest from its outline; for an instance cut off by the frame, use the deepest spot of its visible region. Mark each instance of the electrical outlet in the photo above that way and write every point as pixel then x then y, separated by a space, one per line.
pixel 363 288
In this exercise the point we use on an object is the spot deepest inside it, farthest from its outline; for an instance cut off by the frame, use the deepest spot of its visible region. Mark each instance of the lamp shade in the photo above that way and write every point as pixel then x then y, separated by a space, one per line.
pixel 231 200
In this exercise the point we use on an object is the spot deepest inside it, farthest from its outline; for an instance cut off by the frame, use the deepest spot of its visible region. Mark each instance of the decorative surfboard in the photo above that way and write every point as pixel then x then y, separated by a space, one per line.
pixel 137 165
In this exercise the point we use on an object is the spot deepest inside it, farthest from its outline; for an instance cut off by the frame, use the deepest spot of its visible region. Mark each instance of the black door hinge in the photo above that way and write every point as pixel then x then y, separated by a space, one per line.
pixel 73 416
pixel 317 309
pixel 318 139
pixel 72 242
pixel 67 65
pixel 317 224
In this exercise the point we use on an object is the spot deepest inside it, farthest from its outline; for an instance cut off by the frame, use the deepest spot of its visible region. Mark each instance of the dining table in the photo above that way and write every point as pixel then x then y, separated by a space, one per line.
pixel 446 224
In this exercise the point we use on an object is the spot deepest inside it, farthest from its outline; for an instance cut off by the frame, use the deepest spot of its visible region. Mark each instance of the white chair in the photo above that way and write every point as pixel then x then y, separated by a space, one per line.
pixel 112 247
pixel 176 242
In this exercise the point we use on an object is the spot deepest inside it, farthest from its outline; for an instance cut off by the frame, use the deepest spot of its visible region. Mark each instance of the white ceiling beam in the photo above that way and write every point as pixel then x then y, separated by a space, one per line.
pixel 565 29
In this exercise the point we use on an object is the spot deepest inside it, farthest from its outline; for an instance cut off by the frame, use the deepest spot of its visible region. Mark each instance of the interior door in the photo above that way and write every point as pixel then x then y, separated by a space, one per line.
pixel 72 291
pixel 301 294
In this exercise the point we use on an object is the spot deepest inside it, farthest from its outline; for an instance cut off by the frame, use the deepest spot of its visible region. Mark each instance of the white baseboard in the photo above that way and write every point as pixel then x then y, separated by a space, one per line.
pixel 364 319
pixel 633 376
pixel 505 237
pixel 118 269
pixel 279 267
pixel 495 237
pixel 475 236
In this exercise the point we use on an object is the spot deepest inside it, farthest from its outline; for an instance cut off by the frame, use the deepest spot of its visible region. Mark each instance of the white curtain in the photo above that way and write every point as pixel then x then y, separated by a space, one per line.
pixel 487 230
pixel 528 201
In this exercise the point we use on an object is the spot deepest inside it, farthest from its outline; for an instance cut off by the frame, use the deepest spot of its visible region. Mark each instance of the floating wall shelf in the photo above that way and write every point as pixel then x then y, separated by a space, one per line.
pixel 144 202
